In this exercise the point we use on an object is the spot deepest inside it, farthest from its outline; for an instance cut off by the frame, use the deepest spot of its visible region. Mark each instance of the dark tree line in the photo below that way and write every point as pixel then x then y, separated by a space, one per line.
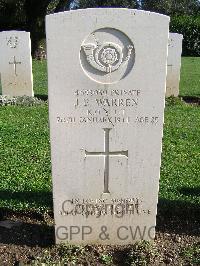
pixel 30 15
pixel 109 3
pixel 172 7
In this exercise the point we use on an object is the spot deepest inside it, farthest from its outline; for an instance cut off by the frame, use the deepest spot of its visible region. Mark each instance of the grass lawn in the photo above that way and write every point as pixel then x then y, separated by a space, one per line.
pixel 180 169
pixel 25 150
pixel 40 77
pixel 25 167
pixel 190 76
pixel 25 157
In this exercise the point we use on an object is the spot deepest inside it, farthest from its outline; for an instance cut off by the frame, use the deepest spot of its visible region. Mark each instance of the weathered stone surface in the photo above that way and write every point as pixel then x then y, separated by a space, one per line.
pixel 106 80
pixel 174 64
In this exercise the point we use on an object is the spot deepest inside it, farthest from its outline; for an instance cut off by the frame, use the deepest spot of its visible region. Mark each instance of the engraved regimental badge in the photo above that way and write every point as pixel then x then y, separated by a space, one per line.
pixel 106 57
pixel 12 41
pixel 107 51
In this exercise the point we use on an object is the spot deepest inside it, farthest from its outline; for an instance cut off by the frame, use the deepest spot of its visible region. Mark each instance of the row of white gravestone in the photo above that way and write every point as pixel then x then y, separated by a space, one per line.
pixel 16 63
pixel 106 87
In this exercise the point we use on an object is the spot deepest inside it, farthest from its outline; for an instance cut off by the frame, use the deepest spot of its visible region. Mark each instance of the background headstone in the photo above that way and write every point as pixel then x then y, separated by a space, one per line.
pixel 174 64
pixel 106 80
pixel 16 63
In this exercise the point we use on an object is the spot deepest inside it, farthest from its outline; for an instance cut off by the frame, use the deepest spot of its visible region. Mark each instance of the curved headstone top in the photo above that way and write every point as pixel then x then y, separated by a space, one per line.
pixel 110 11
pixel 106 79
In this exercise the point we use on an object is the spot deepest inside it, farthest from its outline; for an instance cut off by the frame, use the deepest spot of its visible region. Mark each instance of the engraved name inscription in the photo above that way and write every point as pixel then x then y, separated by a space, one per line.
pixel 110 106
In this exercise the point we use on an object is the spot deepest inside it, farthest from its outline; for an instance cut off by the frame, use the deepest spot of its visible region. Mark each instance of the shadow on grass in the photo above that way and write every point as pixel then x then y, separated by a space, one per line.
pixel 178 217
pixel 190 191
pixel 174 217
pixel 42 97
pixel 31 233
pixel 35 228
pixel 32 198
pixel 191 99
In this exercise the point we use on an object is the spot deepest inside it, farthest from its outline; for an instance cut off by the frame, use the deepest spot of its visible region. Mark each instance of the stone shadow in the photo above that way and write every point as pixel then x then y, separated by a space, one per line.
pixel 36 198
pixel 191 99
pixel 42 97
pixel 28 233
pixel 190 191
pixel 36 229
pixel 178 217
pixel 30 228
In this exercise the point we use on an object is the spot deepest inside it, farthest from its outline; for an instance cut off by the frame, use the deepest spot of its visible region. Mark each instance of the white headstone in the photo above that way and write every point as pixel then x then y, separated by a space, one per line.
pixel 16 63
pixel 106 77
pixel 174 64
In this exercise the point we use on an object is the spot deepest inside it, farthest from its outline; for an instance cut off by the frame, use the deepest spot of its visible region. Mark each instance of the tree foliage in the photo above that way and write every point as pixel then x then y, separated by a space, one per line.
pixel 172 7
pixel 109 3
pixel 189 26
pixel 28 15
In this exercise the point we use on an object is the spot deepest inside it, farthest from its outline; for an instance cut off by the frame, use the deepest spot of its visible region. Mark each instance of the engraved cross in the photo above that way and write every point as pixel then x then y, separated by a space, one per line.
pixel 106 154
pixel 15 63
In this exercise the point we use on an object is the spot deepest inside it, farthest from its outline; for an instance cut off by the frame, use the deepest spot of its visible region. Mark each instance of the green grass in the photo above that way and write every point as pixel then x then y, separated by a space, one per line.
pixel 25 157
pixel 190 76
pixel 25 169
pixel 40 77
pixel 192 254
pixel 180 168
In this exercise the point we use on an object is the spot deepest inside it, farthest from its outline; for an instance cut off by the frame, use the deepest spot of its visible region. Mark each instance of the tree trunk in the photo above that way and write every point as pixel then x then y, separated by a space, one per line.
pixel 35 12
